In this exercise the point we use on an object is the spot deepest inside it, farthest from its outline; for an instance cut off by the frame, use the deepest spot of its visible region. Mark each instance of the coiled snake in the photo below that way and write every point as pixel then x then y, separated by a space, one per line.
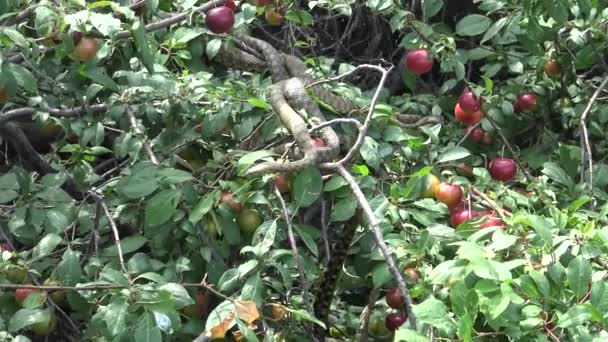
pixel 287 95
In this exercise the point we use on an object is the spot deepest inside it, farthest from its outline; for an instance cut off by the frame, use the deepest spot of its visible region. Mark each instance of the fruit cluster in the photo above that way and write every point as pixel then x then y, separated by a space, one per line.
pixel 452 195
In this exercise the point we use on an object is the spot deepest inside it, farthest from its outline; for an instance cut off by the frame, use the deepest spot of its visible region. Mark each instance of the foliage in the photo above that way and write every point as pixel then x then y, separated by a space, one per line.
pixel 540 278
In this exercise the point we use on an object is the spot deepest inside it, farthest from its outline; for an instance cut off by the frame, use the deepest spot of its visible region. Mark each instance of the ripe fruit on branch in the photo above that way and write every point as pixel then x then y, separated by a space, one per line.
pixel 273 17
pixel 231 4
pixel 230 199
pixel 85 48
pixel 394 298
pixel 469 102
pixel 468 118
pixel 249 220
pixel 525 102
pixel 448 194
pixel 220 19
pixel 459 216
pixel 412 273
pixel 429 185
pixel 492 221
pixel 395 320
pixel 502 169
pixel 21 294
pixel 476 133
pixel 282 183
pixel 418 61
pixel 552 68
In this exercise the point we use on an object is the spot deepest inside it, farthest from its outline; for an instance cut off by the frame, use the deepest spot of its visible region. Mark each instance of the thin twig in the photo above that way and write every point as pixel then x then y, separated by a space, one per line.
pixel 362 130
pixel 324 229
pixel 292 243
pixel 28 112
pixel 586 148
pixel 174 19
pixel 121 258
pixel 366 313
pixel 501 212
pixel 375 226
pixel 139 132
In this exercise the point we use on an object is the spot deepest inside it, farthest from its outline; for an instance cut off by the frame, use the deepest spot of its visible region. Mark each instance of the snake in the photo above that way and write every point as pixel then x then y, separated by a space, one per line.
pixel 288 95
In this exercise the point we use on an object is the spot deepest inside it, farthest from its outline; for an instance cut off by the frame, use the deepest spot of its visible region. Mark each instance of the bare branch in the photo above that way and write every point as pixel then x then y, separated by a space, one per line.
pixel 365 315
pixel 586 148
pixel 362 130
pixel 139 132
pixel 121 258
pixel 375 227
pixel 292 243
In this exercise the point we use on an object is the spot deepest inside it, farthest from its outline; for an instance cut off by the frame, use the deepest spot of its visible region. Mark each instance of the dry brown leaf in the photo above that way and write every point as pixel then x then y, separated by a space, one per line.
pixel 219 331
pixel 247 311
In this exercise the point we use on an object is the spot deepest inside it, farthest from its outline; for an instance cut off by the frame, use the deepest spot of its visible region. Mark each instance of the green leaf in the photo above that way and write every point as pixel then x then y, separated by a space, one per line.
pixel 369 152
pixel 579 276
pixel 143 48
pixel 408 335
pixel 128 245
pixel 203 206
pixel 556 173
pixel 7 196
pixel 473 25
pixel 435 313
pixel 184 34
pixel 26 317
pixel 171 176
pixel 453 153
pixel 300 17
pixel 253 289
pixel 104 23
pixel 23 77
pixel 494 29
pixel 46 245
pixel 115 316
pixel 178 294
pixel 213 46
pixel 302 314
pixel 542 227
pixel 576 315
pixel 16 37
pixel 259 103
pixel 431 7
pixel 307 186
pixel 146 330
pixel 161 207
pixel 68 270
pixel 140 184
pixel 248 159
pixel 344 209
pixel 334 183
pixel 599 296
pixel 99 75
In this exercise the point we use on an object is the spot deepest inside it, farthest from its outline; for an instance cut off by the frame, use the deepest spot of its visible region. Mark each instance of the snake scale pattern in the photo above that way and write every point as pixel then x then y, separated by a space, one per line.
pixel 287 96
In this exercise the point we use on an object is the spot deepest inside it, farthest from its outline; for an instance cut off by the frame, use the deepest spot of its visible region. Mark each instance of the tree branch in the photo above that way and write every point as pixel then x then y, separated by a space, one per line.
pixel 375 227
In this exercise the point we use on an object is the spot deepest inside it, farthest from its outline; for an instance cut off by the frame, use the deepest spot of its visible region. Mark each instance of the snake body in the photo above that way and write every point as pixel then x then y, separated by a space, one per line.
pixel 288 95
